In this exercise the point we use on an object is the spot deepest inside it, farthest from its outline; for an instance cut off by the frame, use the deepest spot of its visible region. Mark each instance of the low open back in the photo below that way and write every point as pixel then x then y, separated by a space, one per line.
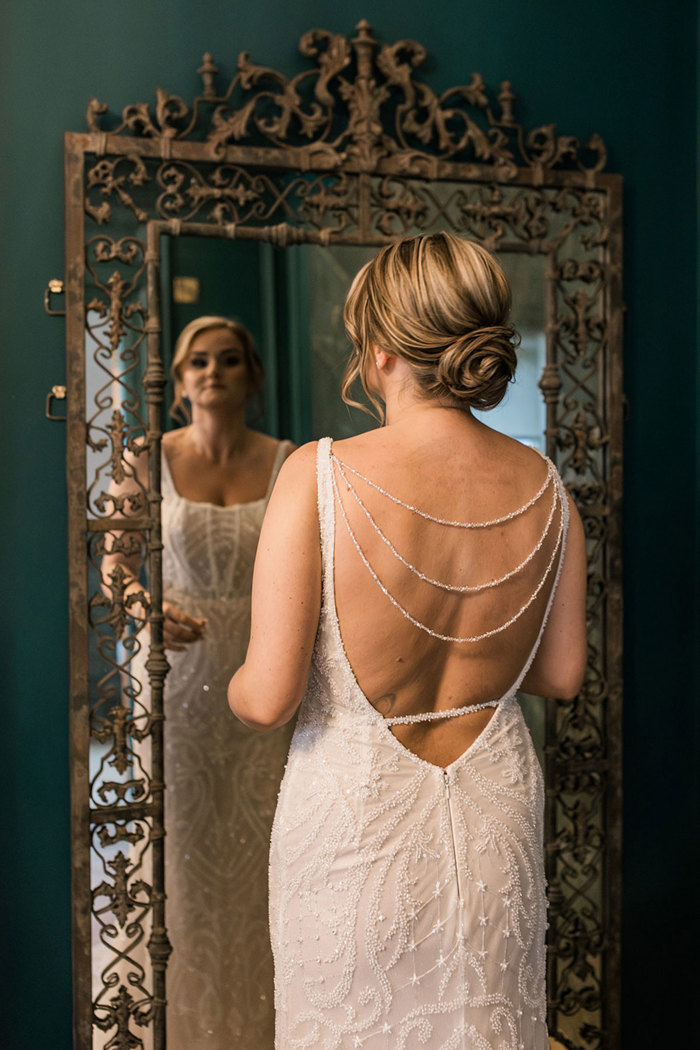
pixel 430 671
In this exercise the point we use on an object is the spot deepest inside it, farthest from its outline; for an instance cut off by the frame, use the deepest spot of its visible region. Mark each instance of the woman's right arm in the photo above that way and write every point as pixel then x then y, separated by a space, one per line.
pixel 560 664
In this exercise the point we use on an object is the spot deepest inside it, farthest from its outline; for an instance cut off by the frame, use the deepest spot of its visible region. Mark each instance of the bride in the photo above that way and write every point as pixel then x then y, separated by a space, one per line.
pixel 408 582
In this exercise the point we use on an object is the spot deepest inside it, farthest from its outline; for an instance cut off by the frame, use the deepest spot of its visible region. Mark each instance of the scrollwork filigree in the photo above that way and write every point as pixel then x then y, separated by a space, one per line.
pixel 103 175
pixel 121 605
pixel 119 1014
pixel 344 105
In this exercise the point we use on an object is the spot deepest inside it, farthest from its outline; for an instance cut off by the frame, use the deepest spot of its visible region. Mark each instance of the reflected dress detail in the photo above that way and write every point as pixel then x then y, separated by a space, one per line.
pixel 407 901
pixel 222 781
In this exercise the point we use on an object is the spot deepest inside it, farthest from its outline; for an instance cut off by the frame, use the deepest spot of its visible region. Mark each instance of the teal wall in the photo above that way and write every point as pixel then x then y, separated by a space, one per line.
pixel 623 68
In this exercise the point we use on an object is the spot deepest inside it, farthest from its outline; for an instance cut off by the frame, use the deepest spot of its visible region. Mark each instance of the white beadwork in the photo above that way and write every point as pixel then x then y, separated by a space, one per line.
pixel 447 521
pixel 407 902
pixel 424 627
pixel 434 716
pixel 454 588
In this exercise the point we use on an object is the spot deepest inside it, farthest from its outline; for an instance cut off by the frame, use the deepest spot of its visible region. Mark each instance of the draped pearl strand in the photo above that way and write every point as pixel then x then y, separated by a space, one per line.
pixel 446 521
pixel 454 588
pixel 557 501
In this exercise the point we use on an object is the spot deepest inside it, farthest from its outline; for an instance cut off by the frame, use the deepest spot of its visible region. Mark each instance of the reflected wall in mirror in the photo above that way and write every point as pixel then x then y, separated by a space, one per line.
pixel 261 200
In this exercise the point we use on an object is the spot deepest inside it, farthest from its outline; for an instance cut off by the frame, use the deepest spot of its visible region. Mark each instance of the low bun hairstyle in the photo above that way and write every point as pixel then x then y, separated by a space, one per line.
pixel 476 369
pixel 442 303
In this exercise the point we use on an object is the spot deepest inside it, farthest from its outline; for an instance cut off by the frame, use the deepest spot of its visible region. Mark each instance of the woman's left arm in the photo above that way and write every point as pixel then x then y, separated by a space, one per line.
pixel 286 603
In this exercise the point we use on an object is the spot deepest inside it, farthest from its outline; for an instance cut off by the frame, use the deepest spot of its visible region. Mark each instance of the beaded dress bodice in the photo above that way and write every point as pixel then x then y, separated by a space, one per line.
pixel 208 550
pixel 407 901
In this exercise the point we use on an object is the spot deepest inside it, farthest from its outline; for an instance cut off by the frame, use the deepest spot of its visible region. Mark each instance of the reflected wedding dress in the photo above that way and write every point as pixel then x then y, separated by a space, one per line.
pixel 407 901
pixel 222 781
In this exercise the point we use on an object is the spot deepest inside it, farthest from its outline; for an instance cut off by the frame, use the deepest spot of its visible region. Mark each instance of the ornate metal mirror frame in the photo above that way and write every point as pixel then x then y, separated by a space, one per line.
pixel 354 150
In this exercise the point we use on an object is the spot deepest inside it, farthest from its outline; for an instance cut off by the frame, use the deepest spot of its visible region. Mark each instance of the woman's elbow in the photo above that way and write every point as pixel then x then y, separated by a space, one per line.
pixel 261 722
pixel 262 716
pixel 566 682
pixel 561 681
pixel 569 688
pixel 575 671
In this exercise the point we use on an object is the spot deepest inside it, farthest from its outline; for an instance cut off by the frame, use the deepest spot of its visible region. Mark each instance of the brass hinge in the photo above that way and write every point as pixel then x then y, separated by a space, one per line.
pixel 56 393
pixel 54 287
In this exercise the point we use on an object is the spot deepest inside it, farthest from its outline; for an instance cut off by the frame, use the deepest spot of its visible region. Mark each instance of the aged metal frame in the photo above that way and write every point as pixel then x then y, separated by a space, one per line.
pixel 353 150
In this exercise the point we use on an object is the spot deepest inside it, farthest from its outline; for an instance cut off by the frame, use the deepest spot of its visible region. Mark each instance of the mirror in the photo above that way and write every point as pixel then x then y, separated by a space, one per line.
pixel 261 200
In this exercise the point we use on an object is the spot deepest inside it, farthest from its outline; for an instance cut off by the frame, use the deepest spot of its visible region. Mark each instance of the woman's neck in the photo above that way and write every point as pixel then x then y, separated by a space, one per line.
pixel 218 436
pixel 404 403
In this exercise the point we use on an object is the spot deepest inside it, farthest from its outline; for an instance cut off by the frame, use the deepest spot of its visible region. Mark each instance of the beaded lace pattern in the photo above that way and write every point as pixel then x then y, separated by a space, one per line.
pixel 407 901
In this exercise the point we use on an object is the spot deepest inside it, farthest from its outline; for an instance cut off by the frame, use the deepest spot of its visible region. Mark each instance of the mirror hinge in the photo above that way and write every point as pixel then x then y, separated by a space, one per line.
pixel 56 393
pixel 54 287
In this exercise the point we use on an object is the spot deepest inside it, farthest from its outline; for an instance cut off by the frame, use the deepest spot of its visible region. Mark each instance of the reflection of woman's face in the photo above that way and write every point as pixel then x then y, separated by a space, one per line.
pixel 215 372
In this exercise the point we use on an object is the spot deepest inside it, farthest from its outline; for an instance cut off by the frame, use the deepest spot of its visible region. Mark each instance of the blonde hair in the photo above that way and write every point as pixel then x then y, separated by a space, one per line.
pixel 442 303
pixel 183 346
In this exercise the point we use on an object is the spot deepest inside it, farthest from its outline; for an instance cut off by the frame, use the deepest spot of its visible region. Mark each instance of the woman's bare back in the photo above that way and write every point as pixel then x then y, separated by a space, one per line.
pixel 450 466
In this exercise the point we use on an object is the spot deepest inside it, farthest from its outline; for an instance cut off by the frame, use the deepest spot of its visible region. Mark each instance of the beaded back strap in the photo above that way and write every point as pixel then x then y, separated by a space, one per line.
pixel 433 716
pixel 326 517
pixel 455 588
pixel 453 712
pixel 166 479
pixel 558 499
pixel 446 521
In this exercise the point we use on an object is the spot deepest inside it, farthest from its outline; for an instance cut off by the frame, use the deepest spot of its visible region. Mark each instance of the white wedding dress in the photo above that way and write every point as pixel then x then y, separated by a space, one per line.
pixel 407 901
pixel 222 781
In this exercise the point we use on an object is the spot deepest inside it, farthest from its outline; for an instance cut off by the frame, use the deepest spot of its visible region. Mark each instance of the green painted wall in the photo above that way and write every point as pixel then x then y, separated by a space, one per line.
pixel 623 68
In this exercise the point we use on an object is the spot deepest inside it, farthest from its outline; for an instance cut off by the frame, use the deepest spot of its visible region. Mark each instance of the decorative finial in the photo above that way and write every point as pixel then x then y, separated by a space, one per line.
pixel 207 72
pixel 364 44
pixel 506 99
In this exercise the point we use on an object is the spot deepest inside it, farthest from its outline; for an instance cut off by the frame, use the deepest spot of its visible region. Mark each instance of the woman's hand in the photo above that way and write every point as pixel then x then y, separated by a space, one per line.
pixel 179 629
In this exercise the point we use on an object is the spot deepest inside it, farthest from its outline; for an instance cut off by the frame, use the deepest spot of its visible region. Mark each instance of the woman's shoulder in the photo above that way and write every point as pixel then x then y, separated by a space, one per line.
pixel 173 441
pixel 295 488
pixel 517 455
pixel 176 435
pixel 464 469
pixel 300 463
pixel 268 448
pixel 370 443
pixel 508 468
pixel 265 441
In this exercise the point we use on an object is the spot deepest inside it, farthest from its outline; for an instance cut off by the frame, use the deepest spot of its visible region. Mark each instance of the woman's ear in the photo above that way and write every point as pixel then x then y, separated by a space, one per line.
pixel 382 359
